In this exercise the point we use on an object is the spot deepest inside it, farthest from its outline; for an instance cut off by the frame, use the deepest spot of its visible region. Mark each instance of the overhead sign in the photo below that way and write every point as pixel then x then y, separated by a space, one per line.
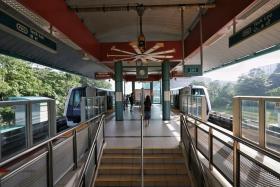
pixel 258 25
pixel 192 70
pixel 103 75
pixel 17 28
pixel 142 72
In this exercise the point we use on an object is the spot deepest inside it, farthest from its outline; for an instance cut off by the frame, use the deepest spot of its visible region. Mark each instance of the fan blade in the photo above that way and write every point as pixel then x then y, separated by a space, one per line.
pixel 153 59
pixel 154 48
pixel 163 52
pixel 124 59
pixel 162 56
pixel 135 47
pixel 122 51
pixel 108 55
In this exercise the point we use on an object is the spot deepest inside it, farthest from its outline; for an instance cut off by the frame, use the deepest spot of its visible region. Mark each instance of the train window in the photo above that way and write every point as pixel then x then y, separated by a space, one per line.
pixel 198 92
pixel 77 98
pixel 71 99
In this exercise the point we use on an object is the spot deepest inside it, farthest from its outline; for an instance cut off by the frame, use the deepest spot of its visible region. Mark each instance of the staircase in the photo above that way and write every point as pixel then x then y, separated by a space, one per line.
pixel 162 167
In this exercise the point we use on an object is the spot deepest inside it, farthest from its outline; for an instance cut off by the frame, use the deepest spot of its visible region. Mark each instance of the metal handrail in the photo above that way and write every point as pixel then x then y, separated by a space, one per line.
pixel 45 143
pixel 240 140
pixel 184 123
pixel 142 153
pixel 81 178
pixel 236 150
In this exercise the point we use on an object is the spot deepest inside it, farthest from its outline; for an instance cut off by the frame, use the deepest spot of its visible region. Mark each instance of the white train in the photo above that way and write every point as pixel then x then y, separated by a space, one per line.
pixel 179 96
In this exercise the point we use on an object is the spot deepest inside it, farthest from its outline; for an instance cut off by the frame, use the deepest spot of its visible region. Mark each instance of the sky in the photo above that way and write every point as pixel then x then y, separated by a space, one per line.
pixel 232 72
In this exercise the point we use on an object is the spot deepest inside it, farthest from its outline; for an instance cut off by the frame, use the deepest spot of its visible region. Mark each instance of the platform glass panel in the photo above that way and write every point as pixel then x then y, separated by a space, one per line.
pixel 272 125
pixel 13 129
pixel 250 120
pixel 40 122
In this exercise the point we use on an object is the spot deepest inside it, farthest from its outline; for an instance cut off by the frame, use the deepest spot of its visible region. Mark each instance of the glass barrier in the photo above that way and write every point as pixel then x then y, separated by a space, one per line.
pixel 93 106
pixel 193 104
pixel 13 128
pixel 25 123
pixel 40 122
pixel 239 161
pixel 272 125
pixel 250 120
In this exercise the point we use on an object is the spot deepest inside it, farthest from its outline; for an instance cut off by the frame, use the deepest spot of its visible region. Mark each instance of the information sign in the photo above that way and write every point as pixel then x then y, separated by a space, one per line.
pixel 192 70
pixel 17 28
pixel 258 25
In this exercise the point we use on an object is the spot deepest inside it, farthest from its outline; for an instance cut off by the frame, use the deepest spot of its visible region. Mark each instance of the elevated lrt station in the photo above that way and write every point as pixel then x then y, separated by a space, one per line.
pixel 147 42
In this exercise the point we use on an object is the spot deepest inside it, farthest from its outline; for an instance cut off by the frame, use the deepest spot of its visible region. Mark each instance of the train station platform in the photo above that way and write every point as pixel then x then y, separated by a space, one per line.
pixel 158 134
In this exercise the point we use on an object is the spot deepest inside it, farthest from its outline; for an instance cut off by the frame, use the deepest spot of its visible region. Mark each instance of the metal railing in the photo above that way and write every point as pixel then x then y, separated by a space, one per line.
pixel 239 161
pixel 83 181
pixel 191 150
pixel 48 162
pixel 142 153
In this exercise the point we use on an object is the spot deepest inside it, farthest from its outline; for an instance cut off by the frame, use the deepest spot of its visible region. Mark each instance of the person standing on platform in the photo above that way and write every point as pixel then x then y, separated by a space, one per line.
pixel 147 110
pixel 131 100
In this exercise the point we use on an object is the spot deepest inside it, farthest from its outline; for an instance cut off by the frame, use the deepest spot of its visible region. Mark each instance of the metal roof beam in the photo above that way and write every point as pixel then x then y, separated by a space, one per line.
pixel 128 7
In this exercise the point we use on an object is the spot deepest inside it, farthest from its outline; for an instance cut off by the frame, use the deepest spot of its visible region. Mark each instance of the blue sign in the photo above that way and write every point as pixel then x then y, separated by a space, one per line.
pixel 258 25
pixel 21 30
pixel 192 70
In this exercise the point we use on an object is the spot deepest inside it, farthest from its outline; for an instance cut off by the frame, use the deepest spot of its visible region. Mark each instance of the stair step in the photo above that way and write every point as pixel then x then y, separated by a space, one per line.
pixel 138 151
pixel 149 169
pixel 129 180
pixel 148 158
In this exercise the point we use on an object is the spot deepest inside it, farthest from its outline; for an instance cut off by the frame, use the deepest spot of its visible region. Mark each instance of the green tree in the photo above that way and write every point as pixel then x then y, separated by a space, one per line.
pixel 274 78
pixel 255 83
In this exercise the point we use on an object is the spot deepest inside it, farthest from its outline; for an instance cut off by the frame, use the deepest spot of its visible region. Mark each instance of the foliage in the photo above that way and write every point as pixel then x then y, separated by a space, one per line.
pixel 19 78
pixel 255 83
pixel 274 78
pixel 7 115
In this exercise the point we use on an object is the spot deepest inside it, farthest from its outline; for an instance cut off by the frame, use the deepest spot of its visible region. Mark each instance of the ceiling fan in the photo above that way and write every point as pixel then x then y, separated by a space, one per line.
pixel 140 53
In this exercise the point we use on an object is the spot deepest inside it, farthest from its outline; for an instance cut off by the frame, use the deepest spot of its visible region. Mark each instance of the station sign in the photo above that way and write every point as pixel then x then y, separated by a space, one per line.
pixel 142 72
pixel 192 70
pixel 21 30
pixel 103 75
pixel 256 26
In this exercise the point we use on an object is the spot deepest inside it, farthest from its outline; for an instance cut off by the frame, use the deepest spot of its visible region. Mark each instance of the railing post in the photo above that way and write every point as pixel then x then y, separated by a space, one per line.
pixel 142 153
pixel 29 132
pixel 236 123
pixel 50 165
pixel 75 149
pixel 195 133
pixel 203 109
pixel 236 164
pixel 210 148
pixel 262 122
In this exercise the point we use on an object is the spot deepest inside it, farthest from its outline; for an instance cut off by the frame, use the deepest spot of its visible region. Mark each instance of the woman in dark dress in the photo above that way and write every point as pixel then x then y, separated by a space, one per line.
pixel 147 109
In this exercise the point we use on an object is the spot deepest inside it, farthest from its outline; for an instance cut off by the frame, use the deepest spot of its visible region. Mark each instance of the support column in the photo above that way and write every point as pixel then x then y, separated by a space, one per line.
pixel 165 91
pixel 133 86
pixel 152 91
pixel 119 91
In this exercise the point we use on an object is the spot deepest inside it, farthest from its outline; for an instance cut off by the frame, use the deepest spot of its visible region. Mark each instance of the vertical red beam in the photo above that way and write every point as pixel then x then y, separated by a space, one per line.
pixel 57 14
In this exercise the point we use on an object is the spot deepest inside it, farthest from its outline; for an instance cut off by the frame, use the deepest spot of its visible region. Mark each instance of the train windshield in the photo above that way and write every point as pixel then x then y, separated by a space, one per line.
pixel 198 91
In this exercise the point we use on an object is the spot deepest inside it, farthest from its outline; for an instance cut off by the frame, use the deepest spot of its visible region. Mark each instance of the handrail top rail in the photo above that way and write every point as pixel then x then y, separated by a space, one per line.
pixel 49 140
pixel 258 97
pixel 22 102
pixel 243 141
pixel 92 147
pixel 192 146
